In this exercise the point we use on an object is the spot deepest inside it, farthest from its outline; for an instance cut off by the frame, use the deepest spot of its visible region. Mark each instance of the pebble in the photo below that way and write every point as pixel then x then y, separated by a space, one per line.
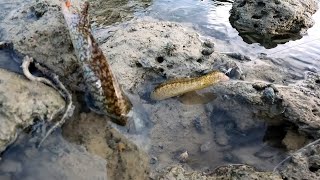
pixel 207 51
pixel 153 160
pixel 268 95
pixel 208 44
pixel 235 73
pixel 183 157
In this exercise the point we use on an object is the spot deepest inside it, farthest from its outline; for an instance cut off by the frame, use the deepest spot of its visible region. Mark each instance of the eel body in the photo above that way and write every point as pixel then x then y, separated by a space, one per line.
pixel 180 86
pixel 101 84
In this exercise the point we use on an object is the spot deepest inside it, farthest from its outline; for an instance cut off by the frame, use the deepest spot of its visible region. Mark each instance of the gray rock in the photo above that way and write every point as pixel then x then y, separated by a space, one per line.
pixel 36 100
pixel 272 22
pixel 268 95
pixel 207 51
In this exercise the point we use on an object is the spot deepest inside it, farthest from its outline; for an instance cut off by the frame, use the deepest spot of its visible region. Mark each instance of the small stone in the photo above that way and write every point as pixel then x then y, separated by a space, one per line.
pixel 153 160
pixel 208 44
pixel 183 157
pixel 274 88
pixel 205 147
pixel 259 86
pixel 235 73
pixel 268 95
pixel 207 51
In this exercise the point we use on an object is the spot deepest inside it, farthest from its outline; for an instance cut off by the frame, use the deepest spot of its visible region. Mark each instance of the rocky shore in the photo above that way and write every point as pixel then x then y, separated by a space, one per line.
pixel 262 113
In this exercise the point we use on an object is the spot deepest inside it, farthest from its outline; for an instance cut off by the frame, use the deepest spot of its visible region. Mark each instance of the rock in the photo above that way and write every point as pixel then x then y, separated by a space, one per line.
pixel 207 51
pixel 153 160
pixel 272 22
pixel 183 157
pixel 235 73
pixel 36 100
pixel 99 138
pixel 293 140
pixel 224 172
pixel 303 165
pixel 268 95
pixel 239 56
pixel 48 43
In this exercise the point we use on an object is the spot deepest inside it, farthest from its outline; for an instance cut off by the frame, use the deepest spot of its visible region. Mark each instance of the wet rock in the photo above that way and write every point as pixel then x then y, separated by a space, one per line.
pixel 153 160
pixel 224 172
pixel 268 95
pixel 48 43
pixel 239 56
pixel 235 73
pixel 208 43
pixel 303 165
pixel 126 161
pixel 36 101
pixel 146 45
pixel 207 51
pixel 272 22
pixel 293 140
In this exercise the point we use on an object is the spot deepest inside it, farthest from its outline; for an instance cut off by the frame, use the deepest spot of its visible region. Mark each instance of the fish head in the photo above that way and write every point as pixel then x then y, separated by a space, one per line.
pixel 223 77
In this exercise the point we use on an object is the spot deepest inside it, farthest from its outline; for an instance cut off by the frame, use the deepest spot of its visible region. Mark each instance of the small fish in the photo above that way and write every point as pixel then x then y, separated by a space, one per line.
pixel 180 86
pixel 101 84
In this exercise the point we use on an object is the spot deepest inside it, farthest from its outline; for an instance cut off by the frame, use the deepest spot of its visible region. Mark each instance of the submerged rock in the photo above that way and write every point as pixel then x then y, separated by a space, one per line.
pixel 21 102
pixel 272 22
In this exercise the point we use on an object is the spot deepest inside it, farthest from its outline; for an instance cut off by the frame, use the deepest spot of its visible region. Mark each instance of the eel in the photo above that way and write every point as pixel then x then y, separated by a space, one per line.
pixel 181 86
pixel 101 84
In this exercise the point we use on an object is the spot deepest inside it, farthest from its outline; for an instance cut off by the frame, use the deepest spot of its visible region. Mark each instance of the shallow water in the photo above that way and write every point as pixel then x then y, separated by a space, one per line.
pixel 249 146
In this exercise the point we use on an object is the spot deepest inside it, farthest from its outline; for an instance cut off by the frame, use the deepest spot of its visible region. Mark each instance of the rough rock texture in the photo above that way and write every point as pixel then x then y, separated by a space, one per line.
pixel 303 165
pixel 112 11
pixel 147 46
pixel 49 43
pixel 272 20
pixel 57 159
pixel 125 160
pixel 21 102
pixel 237 172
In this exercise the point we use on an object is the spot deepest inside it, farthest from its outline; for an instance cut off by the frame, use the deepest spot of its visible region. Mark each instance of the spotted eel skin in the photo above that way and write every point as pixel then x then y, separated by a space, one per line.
pixel 180 86
pixel 100 82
